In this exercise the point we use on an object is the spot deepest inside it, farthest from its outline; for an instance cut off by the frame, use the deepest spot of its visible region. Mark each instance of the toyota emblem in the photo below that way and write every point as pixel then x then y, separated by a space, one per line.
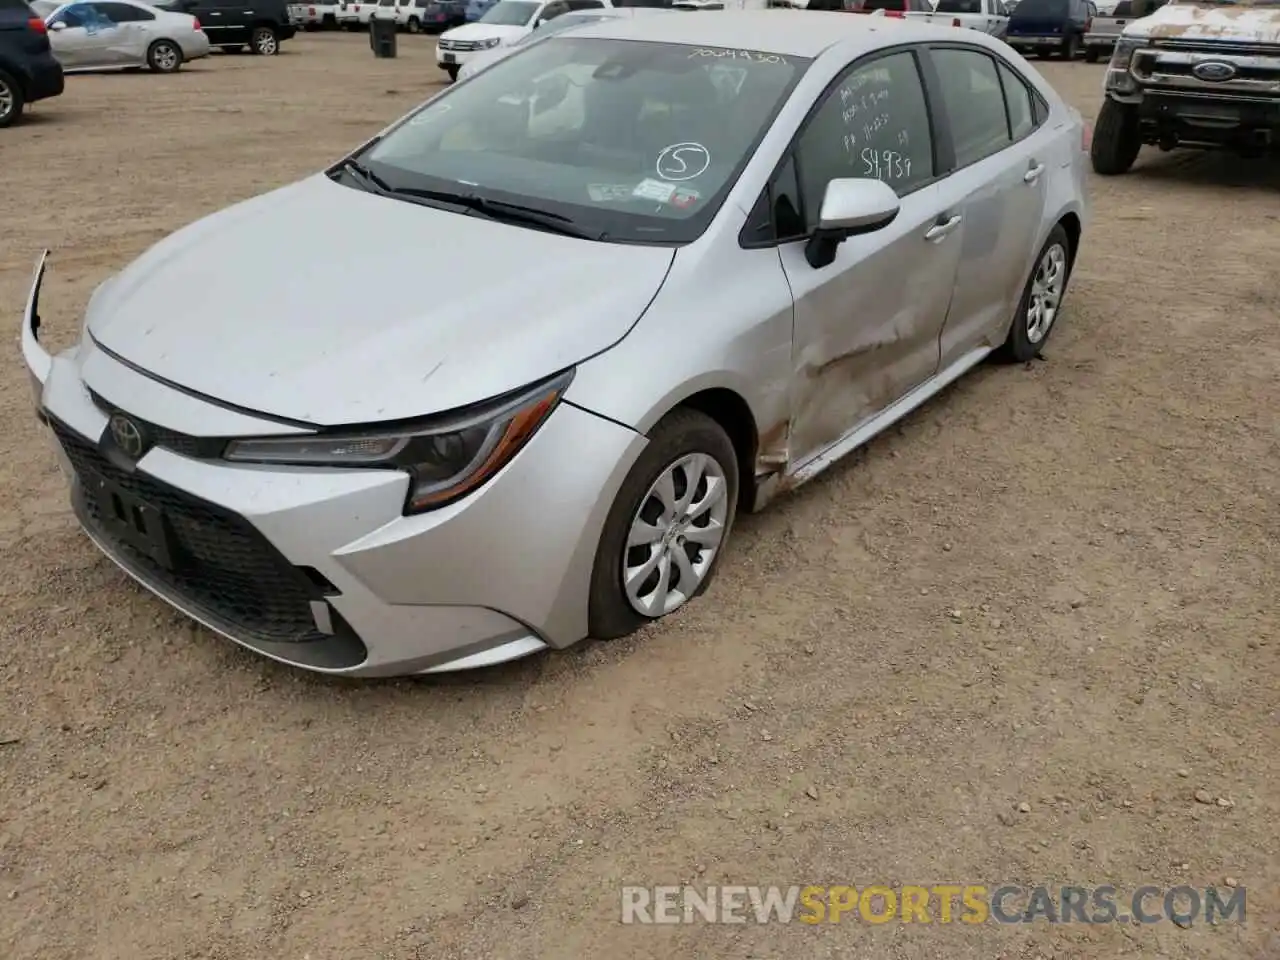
pixel 128 436
pixel 1214 71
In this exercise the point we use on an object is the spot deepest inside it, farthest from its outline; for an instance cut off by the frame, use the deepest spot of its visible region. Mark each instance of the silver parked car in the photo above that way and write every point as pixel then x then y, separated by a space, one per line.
pixel 618 288
pixel 109 34
pixel 549 28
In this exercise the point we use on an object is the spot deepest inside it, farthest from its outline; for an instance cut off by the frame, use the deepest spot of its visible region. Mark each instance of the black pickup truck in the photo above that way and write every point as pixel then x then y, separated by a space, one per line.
pixel 28 71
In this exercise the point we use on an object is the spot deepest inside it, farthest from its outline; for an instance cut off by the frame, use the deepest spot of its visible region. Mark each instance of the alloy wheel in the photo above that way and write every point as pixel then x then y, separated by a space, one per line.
pixel 266 43
pixel 675 535
pixel 165 57
pixel 6 100
pixel 1046 293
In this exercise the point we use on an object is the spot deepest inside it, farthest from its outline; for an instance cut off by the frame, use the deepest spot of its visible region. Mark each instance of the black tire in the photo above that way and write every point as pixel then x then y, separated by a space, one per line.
pixel 328 22
pixel 1117 138
pixel 1070 47
pixel 680 433
pixel 1090 54
pixel 12 100
pixel 414 25
pixel 263 41
pixel 164 56
pixel 1019 345
pixel 452 72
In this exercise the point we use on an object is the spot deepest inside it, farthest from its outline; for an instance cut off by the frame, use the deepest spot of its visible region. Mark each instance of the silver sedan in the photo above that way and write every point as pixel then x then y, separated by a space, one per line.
pixel 613 291
pixel 118 34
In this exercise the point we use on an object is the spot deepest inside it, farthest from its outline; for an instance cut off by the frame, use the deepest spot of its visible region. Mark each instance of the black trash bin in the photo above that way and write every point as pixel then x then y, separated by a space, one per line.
pixel 382 37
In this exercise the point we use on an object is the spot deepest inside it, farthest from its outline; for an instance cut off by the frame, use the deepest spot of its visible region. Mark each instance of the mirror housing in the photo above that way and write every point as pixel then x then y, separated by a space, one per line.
pixel 57 25
pixel 850 206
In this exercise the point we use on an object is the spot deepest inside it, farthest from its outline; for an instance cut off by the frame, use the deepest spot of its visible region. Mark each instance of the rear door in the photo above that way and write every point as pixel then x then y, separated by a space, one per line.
pixel 1000 155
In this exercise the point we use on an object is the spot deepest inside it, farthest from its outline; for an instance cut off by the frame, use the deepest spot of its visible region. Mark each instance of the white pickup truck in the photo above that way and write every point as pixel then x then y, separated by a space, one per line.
pixel 986 16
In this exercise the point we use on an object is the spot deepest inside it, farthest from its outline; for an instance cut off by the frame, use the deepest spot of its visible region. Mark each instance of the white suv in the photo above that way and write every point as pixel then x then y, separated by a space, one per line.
pixel 505 23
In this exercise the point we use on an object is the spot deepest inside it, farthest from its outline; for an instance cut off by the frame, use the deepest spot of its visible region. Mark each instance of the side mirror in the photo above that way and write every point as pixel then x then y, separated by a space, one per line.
pixel 57 25
pixel 850 206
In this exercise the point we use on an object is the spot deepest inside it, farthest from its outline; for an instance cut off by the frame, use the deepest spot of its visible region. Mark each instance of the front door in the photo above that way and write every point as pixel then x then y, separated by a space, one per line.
pixel 867 325
pixel 1002 171
pixel 85 39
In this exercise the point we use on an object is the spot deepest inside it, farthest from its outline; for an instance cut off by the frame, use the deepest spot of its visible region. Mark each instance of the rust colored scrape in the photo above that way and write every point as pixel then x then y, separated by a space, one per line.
pixel 1210 20
pixel 773 450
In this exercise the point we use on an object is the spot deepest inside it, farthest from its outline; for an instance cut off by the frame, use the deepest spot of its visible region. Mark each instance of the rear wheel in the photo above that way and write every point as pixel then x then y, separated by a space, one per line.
pixel 668 526
pixel 264 42
pixel 1090 54
pixel 11 100
pixel 1070 47
pixel 164 56
pixel 1041 299
pixel 1117 138
pixel 414 25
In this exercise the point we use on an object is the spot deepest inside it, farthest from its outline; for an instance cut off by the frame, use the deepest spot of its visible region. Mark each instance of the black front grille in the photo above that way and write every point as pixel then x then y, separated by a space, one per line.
pixel 220 564
pixel 199 448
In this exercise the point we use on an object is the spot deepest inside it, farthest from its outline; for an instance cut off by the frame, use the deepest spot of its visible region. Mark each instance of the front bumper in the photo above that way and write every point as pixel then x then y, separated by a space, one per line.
pixel 318 568
pixel 1050 41
pixel 456 58
pixel 1179 118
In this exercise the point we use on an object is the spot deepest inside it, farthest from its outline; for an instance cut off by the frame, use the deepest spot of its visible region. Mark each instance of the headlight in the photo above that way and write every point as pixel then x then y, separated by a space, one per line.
pixel 445 459
pixel 1119 79
pixel 490 44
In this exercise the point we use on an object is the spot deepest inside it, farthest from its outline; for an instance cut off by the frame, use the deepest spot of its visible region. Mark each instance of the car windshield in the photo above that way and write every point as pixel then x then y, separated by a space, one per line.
pixel 510 13
pixel 562 22
pixel 636 140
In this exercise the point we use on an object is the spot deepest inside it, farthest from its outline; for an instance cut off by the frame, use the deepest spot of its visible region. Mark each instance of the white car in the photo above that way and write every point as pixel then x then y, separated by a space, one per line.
pixel 355 14
pixel 314 14
pixel 487 58
pixel 120 34
pixel 505 23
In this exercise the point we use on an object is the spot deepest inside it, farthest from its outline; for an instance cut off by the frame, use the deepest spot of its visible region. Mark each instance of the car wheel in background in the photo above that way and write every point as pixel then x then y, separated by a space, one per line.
pixel 164 56
pixel 264 42
pixel 1041 301
pixel 11 101
pixel 1071 47
pixel 328 22
pixel 452 72
pixel 668 527
pixel 414 25
pixel 1117 138
pixel 1090 54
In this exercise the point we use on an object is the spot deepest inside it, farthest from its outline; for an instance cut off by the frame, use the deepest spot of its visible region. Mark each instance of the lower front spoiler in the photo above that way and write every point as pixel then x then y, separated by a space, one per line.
pixel 1181 120
pixel 343 654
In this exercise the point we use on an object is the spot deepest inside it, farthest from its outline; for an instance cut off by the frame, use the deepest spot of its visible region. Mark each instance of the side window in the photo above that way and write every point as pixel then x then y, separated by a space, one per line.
pixel 874 123
pixel 1017 101
pixel 123 13
pixel 585 4
pixel 974 101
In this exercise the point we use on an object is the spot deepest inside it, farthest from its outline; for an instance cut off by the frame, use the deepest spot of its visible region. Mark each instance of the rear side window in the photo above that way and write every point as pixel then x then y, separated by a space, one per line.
pixel 975 103
pixel 1017 101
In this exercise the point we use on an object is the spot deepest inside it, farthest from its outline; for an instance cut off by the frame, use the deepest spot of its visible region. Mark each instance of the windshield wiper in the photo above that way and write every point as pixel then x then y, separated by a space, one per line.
pixel 365 177
pixel 506 212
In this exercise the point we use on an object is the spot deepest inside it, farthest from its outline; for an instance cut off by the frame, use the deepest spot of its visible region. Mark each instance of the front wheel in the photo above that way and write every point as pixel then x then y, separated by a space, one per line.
pixel 1117 138
pixel 264 42
pixel 1041 299
pixel 452 71
pixel 11 100
pixel 668 526
pixel 164 56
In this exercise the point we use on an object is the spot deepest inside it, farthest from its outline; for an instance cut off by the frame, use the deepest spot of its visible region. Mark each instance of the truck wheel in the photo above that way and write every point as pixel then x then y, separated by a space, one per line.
pixel 1117 139
pixel 264 42
pixel 414 25
pixel 10 100
pixel 1071 47
pixel 1090 54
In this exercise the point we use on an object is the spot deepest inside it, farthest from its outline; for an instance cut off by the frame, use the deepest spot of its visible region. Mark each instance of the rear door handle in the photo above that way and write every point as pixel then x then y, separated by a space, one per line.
pixel 939 230
pixel 1032 175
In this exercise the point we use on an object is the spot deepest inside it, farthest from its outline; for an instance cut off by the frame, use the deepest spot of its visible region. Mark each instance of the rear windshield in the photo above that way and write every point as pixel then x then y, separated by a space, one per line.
pixel 880 5
pixel 959 6
pixel 1041 8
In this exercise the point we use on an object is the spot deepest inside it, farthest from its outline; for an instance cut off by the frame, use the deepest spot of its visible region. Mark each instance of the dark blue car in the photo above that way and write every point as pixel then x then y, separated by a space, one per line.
pixel 28 71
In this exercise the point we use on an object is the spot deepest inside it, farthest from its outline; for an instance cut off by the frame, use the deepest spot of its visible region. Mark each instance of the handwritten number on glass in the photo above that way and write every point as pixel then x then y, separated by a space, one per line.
pixel 741 56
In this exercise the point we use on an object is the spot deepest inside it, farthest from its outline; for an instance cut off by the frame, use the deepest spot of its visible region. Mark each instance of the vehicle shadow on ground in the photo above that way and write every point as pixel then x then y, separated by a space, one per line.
pixel 1208 168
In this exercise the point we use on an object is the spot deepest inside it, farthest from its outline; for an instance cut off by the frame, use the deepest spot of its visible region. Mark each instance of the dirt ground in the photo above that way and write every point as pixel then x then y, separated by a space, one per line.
pixel 1055 586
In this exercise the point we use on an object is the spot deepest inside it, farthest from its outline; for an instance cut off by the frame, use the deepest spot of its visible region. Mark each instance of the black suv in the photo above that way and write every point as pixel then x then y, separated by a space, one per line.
pixel 233 24
pixel 1045 27
pixel 28 71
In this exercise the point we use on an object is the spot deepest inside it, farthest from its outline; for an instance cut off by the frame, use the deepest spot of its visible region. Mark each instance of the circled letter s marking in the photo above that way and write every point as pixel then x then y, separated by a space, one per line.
pixel 683 161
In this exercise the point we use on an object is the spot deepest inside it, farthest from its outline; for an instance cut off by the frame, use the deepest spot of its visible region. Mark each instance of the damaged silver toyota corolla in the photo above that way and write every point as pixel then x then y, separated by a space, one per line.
pixel 605 294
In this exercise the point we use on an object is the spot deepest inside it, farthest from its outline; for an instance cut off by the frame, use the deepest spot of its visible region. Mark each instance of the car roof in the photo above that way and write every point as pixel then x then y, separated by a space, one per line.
pixel 786 32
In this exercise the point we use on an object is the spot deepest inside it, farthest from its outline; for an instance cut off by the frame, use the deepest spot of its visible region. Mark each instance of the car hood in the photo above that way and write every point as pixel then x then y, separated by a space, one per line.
pixel 1243 22
pixel 328 305
pixel 484 31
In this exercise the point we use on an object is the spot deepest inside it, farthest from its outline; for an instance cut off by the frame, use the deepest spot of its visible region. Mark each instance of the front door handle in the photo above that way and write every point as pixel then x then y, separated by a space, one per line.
pixel 939 230
pixel 1032 175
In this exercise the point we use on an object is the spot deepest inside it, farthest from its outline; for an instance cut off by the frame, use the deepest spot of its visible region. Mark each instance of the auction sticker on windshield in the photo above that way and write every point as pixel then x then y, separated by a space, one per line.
pixel 654 190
